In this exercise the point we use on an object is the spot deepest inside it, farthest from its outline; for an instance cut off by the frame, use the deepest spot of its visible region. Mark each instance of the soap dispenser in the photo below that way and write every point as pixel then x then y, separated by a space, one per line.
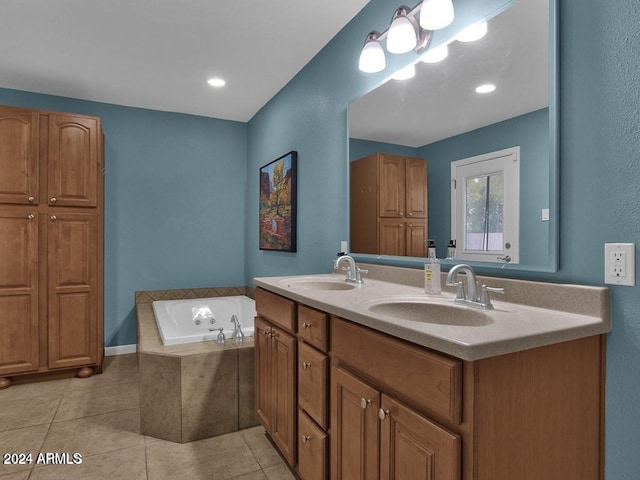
pixel 432 271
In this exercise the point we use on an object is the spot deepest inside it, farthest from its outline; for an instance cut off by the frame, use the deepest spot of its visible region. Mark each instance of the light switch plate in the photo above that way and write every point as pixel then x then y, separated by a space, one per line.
pixel 619 264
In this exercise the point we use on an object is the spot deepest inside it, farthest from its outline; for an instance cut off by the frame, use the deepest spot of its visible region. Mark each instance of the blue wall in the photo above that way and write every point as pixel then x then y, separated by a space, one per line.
pixel 361 148
pixel 174 202
pixel 531 133
pixel 600 174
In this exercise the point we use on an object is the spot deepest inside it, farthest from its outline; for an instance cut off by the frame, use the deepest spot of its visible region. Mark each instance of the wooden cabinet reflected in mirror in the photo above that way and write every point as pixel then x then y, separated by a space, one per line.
pixel 388 205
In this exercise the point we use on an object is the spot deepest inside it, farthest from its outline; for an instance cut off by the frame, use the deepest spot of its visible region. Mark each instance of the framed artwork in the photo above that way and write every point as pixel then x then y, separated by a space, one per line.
pixel 278 195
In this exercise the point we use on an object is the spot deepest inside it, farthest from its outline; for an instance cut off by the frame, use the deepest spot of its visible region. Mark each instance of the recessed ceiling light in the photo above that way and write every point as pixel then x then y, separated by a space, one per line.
pixel 486 88
pixel 216 82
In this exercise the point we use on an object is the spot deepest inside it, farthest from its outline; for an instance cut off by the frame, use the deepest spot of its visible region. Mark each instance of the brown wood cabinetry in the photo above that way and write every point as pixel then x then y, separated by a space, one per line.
pixel 388 201
pixel 51 245
pixel 276 385
pixel 396 410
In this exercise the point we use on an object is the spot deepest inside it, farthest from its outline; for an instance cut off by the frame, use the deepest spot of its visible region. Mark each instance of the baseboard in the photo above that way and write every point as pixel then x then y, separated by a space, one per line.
pixel 119 350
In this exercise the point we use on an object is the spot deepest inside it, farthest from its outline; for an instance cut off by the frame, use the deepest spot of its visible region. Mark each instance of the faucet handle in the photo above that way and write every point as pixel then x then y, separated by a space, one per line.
pixel 484 297
pixel 359 272
pixel 460 293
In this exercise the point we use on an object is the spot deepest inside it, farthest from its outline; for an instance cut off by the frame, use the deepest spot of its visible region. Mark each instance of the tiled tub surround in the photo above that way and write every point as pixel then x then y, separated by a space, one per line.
pixel 529 314
pixel 192 391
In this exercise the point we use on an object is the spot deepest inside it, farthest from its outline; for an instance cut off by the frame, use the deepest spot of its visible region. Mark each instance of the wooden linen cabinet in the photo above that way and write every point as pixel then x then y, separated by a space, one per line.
pixel 51 245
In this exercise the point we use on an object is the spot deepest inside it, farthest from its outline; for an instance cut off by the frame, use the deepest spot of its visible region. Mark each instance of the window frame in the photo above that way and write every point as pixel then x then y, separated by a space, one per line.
pixel 506 161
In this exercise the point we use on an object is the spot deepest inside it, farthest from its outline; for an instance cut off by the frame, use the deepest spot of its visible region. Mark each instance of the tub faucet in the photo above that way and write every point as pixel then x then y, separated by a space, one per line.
pixel 354 273
pixel 238 336
pixel 470 297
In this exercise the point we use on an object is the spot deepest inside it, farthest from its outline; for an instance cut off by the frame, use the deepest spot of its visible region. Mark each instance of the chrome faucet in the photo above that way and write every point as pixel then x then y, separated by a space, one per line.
pixel 238 336
pixel 470 296
pixel 354 274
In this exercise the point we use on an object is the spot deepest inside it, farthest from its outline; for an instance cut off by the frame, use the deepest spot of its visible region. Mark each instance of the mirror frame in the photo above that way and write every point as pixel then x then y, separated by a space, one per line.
pixel 504 269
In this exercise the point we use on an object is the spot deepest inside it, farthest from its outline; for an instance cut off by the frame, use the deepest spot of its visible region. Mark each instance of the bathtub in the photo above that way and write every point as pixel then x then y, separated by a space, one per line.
pixel 199 319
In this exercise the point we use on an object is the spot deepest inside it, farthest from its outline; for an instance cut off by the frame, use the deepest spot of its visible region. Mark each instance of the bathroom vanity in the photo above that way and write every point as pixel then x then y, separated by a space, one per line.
pixel 380 381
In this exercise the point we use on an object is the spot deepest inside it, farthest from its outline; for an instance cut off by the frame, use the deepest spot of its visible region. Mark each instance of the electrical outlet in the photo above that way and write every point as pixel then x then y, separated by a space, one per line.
pixel 619 264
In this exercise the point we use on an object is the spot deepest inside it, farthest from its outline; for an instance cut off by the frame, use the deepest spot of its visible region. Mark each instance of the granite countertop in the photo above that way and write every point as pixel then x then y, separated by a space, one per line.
pixel 510 327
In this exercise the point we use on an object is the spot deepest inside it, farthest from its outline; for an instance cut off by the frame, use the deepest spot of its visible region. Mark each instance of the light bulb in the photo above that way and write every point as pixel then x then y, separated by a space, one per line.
pixel 436 14
pixel 405 73
pixel 402 36
pixel 473 33
pixel 372 58
pixel 436 55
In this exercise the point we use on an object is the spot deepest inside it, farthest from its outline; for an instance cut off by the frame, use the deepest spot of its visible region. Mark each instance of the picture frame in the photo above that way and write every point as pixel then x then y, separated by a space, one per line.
pixel 278 201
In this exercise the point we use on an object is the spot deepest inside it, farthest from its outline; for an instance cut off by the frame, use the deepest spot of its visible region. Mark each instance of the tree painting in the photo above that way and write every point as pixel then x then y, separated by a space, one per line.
pixel 278 204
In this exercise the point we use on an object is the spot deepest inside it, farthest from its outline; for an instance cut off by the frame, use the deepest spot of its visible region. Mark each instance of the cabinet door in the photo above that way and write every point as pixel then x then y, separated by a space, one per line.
pixel 354 428
pixel 73 282
pixel 312 383
pixel 73 160
pixel 18 292
pixel 391 237
pixel 416 236
pixel 18 155
pixel 312 449
pixel 264 373
pixel 284 387
pixel 416 188
pixel 391 181
pixel 411 446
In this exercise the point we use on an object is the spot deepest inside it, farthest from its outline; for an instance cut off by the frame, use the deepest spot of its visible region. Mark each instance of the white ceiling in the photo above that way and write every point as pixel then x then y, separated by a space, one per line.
pixel 158 54
pixel 440 100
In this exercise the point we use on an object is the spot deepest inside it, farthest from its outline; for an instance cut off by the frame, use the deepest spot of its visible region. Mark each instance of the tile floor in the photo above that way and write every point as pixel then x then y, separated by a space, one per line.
pixel 99 418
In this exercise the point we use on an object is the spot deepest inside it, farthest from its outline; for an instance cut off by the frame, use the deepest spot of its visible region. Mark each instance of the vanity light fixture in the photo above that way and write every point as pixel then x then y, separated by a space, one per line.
pixel 485 88
pixel 405 33
pixel 436 55
pixel 436 14
pixel 405 73
pixel 216 82
pixel 372 56
pixel 473 33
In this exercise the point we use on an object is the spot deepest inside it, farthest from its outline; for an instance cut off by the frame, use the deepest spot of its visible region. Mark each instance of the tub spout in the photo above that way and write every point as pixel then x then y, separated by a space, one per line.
pixel 238 336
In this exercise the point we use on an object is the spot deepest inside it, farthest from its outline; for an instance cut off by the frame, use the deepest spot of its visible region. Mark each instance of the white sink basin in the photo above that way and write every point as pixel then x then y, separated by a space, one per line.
pixel 318 284
pixel 426 310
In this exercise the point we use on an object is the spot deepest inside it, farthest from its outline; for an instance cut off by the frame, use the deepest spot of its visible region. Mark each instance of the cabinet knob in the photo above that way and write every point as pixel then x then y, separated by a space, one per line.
pixel 364 403
pixel 306 325
pixel 53 218
pixel 53 200
pixel 382 414
pixel 31 216
pixel 31 199
pixel 401 213
pixel 409 214
pixel 306 365
pixel 306 438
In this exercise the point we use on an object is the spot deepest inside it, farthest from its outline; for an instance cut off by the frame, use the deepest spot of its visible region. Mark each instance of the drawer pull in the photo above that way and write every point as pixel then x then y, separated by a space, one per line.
pixel 382 414
pixel 306 325
pixel 31 199
pixel 266 333
pixel 364 403
pixel 306 365
pixel 31 216
pixel 306 438
pixel 53 200
pixel 53 218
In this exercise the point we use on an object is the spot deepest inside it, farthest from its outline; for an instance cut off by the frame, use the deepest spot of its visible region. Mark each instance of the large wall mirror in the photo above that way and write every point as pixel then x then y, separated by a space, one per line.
pixel 437 115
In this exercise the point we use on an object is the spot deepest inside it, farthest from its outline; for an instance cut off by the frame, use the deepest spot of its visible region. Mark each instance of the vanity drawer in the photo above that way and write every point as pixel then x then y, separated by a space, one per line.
pixel 276 309
pixel 313 373
pixel 312 449
pixel 313 327
pixel 430 381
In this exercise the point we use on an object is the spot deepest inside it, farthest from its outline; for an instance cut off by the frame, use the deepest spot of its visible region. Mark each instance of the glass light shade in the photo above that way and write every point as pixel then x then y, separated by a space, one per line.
pixel 473 33
pixel 402 36
pixel 405 73
pixel 436 55
pixel 372 58
pixel 436 14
